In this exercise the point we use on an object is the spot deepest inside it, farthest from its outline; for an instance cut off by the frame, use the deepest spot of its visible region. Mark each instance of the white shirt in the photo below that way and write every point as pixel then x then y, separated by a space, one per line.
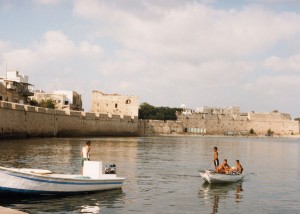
pixel 84 152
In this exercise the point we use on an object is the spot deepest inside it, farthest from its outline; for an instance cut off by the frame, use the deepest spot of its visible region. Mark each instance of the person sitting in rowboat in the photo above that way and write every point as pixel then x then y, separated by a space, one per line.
pixel 238 169
pixel 224 168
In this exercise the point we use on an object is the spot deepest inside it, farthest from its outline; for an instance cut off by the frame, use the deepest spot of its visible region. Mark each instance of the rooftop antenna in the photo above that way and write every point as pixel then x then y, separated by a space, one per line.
pixel 6 67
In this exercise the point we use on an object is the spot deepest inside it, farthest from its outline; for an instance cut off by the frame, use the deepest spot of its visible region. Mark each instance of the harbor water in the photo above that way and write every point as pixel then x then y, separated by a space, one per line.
pixel 162 174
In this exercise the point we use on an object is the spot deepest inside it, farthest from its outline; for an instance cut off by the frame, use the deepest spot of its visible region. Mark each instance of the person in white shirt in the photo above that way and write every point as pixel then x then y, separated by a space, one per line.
pixel 85 153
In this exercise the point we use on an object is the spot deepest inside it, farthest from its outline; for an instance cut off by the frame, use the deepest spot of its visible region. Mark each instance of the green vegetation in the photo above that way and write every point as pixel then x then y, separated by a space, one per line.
pixel 270 132
pixel 252 131
pixel 44 103
pixel 47 104
pixel 297 119
pixel 33 102
pixel 147 111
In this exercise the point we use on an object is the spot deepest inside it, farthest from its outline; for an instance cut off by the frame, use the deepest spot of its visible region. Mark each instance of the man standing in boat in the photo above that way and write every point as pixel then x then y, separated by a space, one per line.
pixel 85 153
pixel 216 159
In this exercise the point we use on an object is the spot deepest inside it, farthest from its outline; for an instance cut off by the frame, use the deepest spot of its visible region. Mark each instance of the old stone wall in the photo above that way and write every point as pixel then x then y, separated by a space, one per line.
pixel 114 104
pixel 213 123
pixel 219 124
pixel 18 120
pixel 153 127
pixel 242 123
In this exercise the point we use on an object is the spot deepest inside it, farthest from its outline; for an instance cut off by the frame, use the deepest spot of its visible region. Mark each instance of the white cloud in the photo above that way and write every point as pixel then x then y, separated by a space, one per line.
pixel 190 52
pixel 278 86
pixel 20 59
pixel 191 31
pixel 90 50
pixel 276 1
pixel 167 52
pixel 283 64
pixel 6 5
pixel 47 2
pixel 54 47
pixel 4 45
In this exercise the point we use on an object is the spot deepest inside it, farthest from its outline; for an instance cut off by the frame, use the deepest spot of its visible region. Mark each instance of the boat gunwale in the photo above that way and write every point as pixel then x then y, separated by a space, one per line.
pixel 53 178
pixel 219 177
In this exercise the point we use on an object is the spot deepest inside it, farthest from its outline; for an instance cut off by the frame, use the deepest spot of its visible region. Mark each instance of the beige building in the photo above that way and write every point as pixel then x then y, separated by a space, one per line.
pixel 115 104
pixel 64 100
pixel 15 88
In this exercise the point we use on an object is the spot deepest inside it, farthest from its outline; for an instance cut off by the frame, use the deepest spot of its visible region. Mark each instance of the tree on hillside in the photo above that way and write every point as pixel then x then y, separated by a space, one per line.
pixel 297 119
pixel 147 111
pixel 270 132
pixel 47 104
pixel 33 102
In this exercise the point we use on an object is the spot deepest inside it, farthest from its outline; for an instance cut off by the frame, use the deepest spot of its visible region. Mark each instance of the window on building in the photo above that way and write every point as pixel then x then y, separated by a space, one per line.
pixel 116 105
pixel 66 102
pixel 97 104
pixel 1 98
pixel 128 101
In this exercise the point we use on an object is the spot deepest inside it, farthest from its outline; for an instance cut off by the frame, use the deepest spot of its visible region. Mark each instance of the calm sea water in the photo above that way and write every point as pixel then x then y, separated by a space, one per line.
pixel 162 174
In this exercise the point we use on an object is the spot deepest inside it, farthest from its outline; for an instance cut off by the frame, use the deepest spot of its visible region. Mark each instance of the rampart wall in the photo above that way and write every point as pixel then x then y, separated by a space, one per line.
pixel 219 124
pixel 151 127
pixel 18 120
pixel 279 123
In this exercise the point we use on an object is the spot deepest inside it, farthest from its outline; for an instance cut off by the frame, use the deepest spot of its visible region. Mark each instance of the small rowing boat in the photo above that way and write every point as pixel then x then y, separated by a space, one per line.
pixel 39 181
pixel 211 176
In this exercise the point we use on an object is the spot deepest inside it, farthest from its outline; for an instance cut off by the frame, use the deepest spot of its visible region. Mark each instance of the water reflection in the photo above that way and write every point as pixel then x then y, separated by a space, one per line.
pixel 162 174
pixel 87 203
pixel 220 193
pixel 238 194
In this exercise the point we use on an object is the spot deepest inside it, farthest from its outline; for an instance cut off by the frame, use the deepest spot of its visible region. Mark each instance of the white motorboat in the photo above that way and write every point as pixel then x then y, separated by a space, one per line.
pixel 38 181
pixel 211 176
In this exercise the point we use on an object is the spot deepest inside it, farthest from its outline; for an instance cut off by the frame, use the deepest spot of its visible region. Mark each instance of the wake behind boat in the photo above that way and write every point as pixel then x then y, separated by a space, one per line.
pixel 37 181
pixel 211 176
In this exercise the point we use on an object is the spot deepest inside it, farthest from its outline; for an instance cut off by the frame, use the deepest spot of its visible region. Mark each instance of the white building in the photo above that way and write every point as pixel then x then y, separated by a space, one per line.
pixel 15 87
pixel 64 100
pixel 15 76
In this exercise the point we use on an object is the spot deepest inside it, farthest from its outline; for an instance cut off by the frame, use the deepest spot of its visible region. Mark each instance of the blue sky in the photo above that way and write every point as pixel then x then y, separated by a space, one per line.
pixel 199 53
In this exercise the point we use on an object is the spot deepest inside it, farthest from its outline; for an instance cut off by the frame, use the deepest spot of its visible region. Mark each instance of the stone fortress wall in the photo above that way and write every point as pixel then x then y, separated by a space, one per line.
pixel 241 124
pixel 220 122
pixel 114 104
pixel 17 120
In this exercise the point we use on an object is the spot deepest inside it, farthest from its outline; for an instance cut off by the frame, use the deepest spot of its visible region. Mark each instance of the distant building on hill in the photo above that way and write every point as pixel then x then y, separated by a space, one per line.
pixel 117 104
pixel 64 100
pixel 222 111
pixel 15 88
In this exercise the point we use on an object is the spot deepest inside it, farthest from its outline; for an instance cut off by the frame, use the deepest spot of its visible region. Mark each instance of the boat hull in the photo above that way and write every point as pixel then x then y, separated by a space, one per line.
pixel 213 177
pixel 14 181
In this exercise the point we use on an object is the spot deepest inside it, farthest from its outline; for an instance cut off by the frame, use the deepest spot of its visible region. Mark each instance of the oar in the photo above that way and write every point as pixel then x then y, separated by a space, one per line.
pixel 208 165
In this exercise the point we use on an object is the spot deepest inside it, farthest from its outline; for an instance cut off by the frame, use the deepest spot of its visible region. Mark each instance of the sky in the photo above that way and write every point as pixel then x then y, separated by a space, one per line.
pixel 216 53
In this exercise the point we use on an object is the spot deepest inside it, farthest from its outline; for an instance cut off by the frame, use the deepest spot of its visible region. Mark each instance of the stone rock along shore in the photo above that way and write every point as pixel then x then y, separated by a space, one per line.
pixel 4 210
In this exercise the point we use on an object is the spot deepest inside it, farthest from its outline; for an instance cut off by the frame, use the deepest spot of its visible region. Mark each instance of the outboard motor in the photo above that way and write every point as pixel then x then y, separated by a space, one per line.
pixel 110 169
